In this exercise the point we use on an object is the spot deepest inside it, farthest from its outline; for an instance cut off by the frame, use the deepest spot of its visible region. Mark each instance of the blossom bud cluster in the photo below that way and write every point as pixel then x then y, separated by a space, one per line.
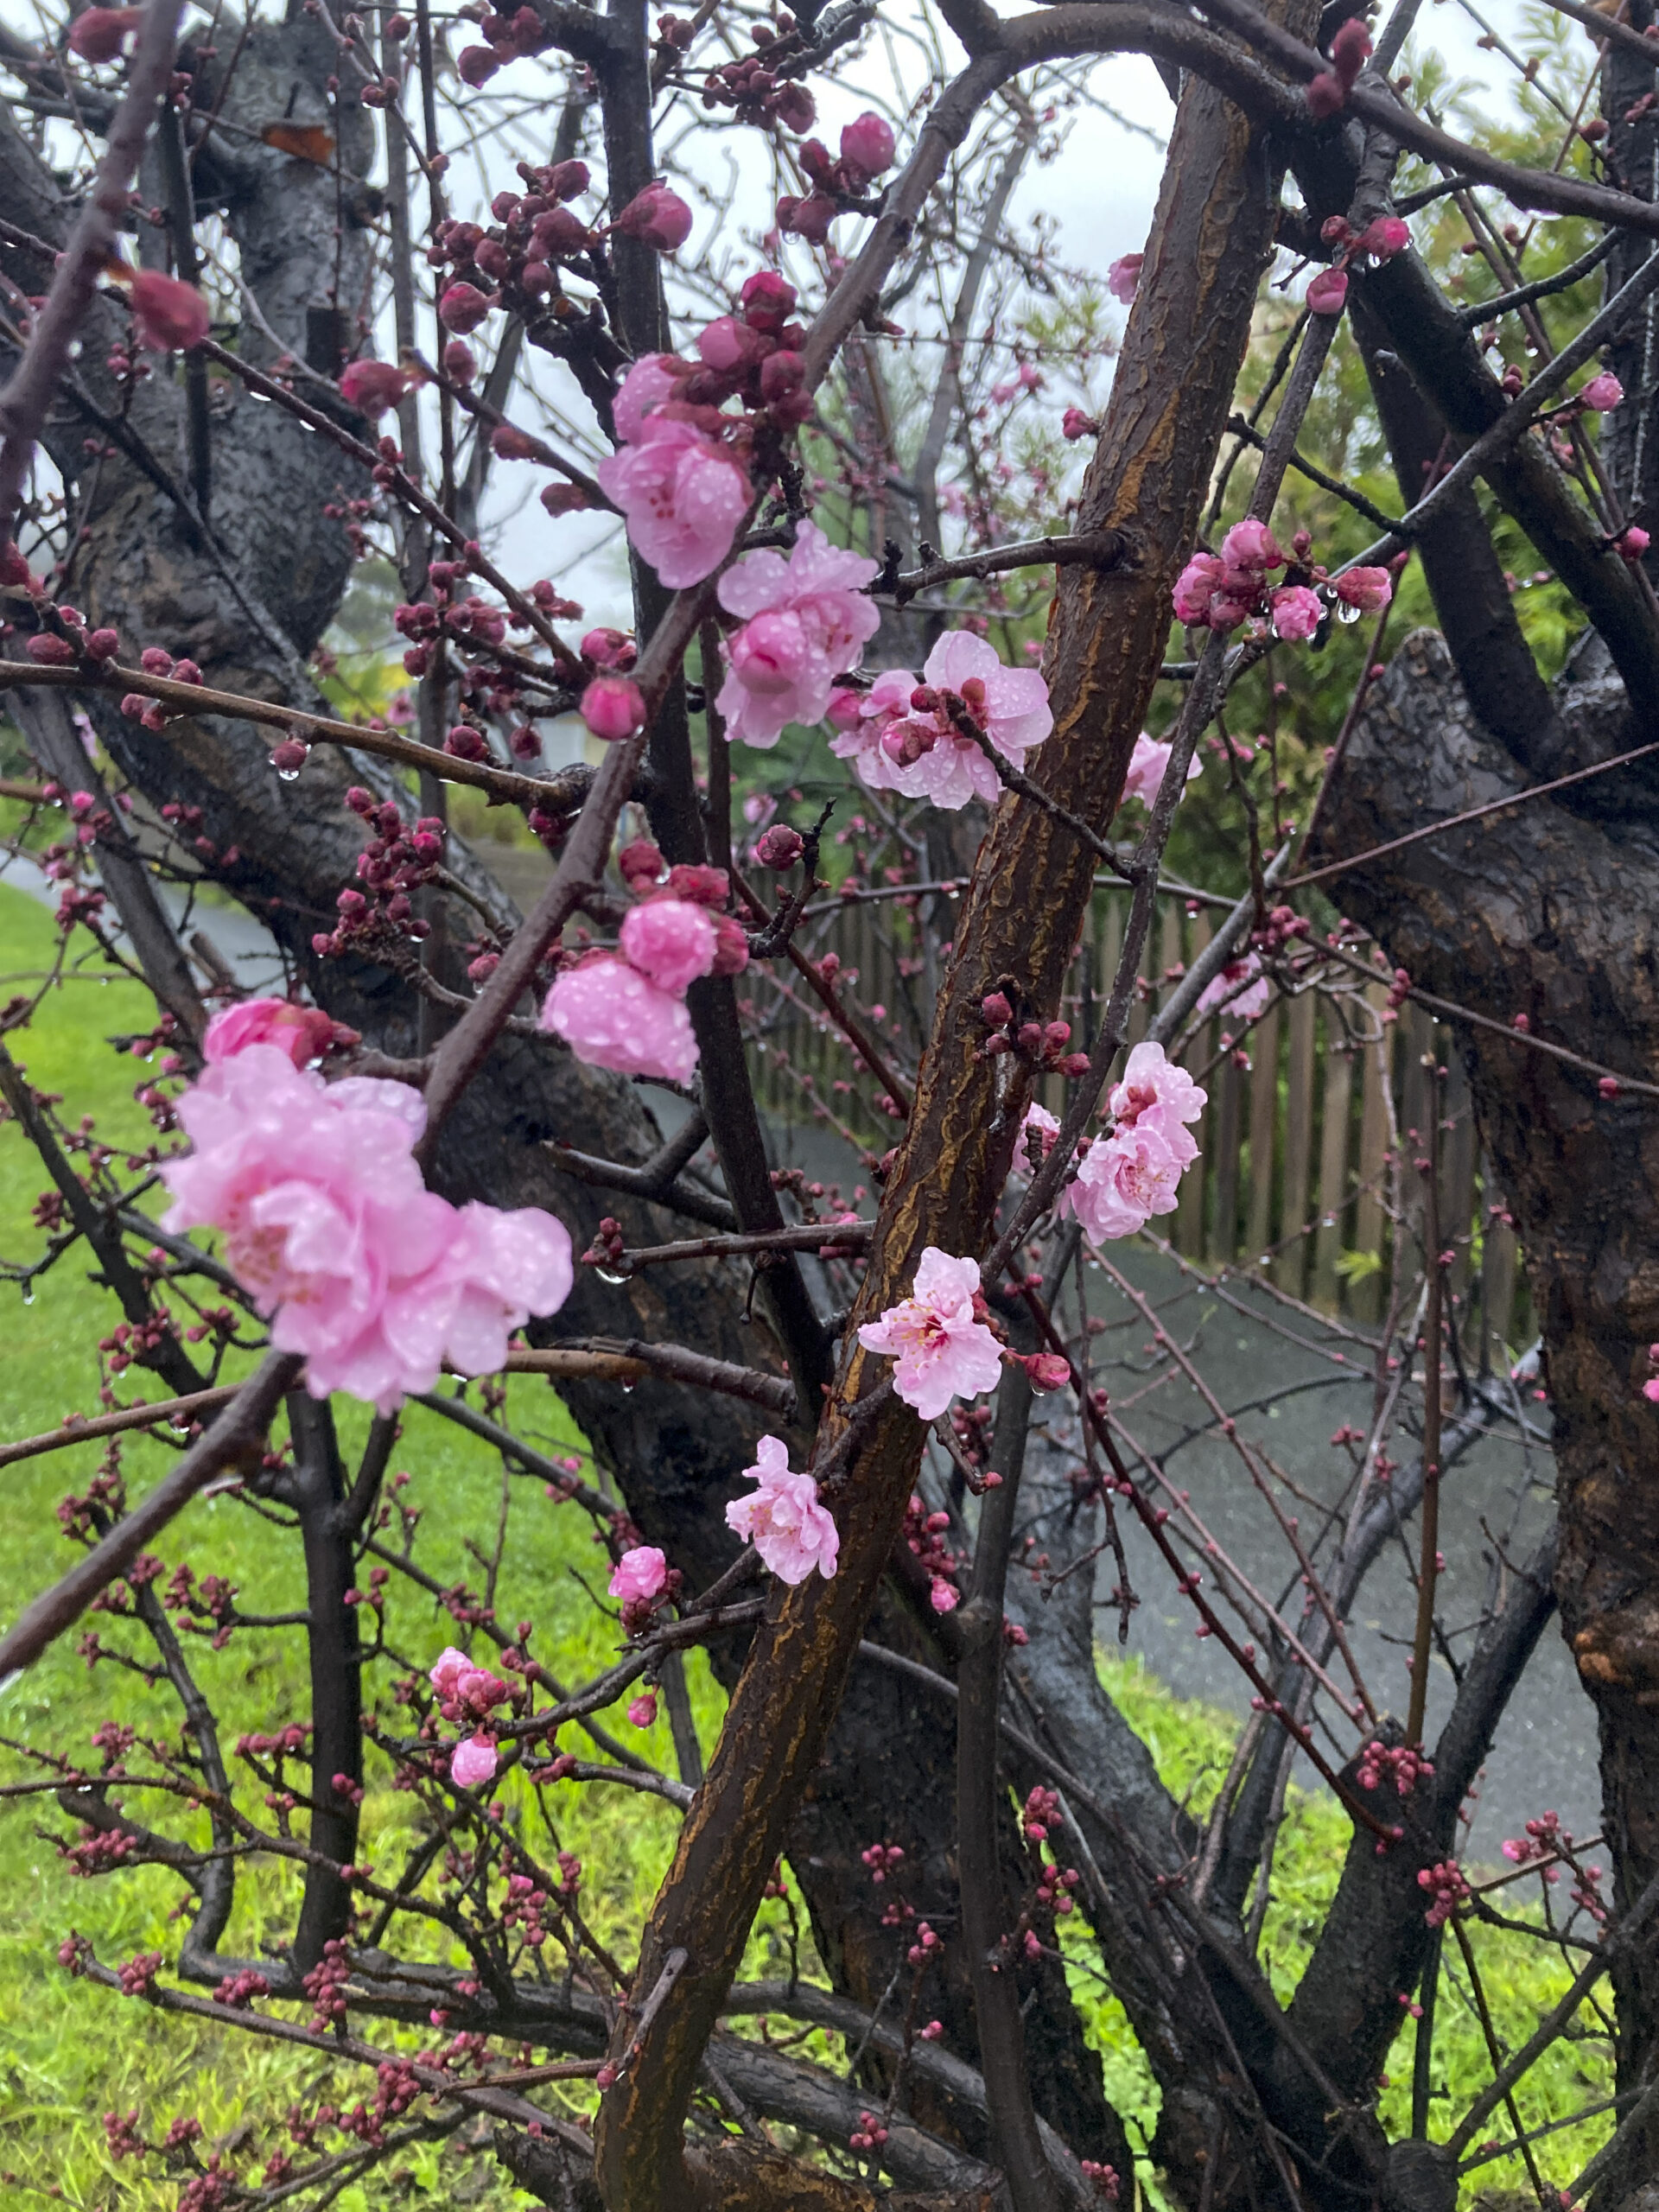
pixel 625 1010
pixel 1378 242
pixel 396 862
pixel 1401 1763
pixel 866 151
pixel 1218 592
pixel 924 1539
pixel 1043 1044
pixel 1350 49
pixel 1447 1889
pixel 756 84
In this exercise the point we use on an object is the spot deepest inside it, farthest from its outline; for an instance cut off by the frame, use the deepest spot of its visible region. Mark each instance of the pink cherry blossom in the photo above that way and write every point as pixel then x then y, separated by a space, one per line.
pixel 926 757
pixel 473 1763
pixel 463 307
pixel 1384 238
pixel 447 1669
pixel 1328 292
pixel 670 940
pixel 867 145
pixel 1124 1179
pixel 657 217
pixel 1368 590
pixel 169 316
pixel 682 496
pixel 1041 1121
pixel 1297 611
pixel 862 720
pixel 1251 544
pixel 1602 392
pixel 1152 1085
pixel 944 1351
pixel 372 386
pixel 612 1016
pixel 639 1574
pixel 1124 275
pixel 1196 587
pixel 782 1517
pixel 302 1031
pixel 642 1710
pixel 326 1222
pixel 652 379
pixel 613 706
pixel 1240 989
pixel 809 622
pixel 1147 764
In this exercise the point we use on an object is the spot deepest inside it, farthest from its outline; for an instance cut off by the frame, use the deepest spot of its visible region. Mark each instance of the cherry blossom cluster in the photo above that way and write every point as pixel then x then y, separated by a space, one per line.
pixel 938 1337
pixel 928 740
pixel 1219 591
pixel 1401 1763
pixel 1125 1179
pixel 806 621
pixel 782 1517
pixel 625 1010
pixel 838 187
pixel 681 475
pixel 330 1228
pixel 467 1694
pixel 924 1540
pixel 1379 241
pixel 1447 1889
pixel 883 1859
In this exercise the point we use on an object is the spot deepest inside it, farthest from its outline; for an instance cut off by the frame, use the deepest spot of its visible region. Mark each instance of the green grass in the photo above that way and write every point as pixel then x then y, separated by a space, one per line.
pixel 70 2051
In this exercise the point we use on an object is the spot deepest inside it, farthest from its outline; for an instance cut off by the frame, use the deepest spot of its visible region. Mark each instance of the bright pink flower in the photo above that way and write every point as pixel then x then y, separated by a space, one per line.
pixel 1251 544
pixel 610 649
pixel 1631 543
pixel 639 1574
pixel 1124 277
pixel 943 1352
pixel 474 1763
pixel 808 623
pixel 657 217
pixel 642 1710
pixel 1074 423
pixel 611 1016
pixel 99 33
pixel 1152 1085
pixel 670 940
pixel 463 307
pixel 927 758
pixel 171 317
pixel 1228 990
pixel 1368 590
pixel 867 146
pixel 1147 764
pixel 302 1031
pixel 1124 1179
pixel 372 386
pixel 1384 238
pixel 943 1596
pixel 613 706
pixel 1326 293
pixel 328 1224
pixel 1297 611
pixel 682 496
pixel 782 1517
pixel 1602 392
pixel 1195 587
pixel 1047 1370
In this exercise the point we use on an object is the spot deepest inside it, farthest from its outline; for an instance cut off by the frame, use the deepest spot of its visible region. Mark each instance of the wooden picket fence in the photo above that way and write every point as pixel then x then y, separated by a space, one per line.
pixel 1295 1178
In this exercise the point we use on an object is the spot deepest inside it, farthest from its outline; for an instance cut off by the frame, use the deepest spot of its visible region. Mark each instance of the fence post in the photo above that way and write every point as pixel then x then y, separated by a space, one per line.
pixel 1290 1263
pixel 1338 1065
pixel 1188 1214
pixel 1264 1119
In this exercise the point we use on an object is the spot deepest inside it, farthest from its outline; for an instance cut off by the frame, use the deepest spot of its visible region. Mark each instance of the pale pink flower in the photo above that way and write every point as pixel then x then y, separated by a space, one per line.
pixel 929 759
pixel 1602 392
pixel 1195 587
pixel 1240 989
pixel 375 1279
pixel 473 1763
pixel 1368 590
pixel 782 1517
pixel 1297 611
pixel 612 1016
pixel 446 1670
pixel 682 496
pixel 1147 764
pixel 670 941
pixel 1152 1085
pixel 639 1574
pixel 808 622
pixel 1124 1179
pixel 302 1031
pixel 944 1351
pixel 651 381
pixel 1037 1118
pixel 1124 277
pixel 862 720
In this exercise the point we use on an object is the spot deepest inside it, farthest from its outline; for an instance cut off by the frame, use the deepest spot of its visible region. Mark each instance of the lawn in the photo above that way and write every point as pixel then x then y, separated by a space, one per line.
pixel 69 2051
